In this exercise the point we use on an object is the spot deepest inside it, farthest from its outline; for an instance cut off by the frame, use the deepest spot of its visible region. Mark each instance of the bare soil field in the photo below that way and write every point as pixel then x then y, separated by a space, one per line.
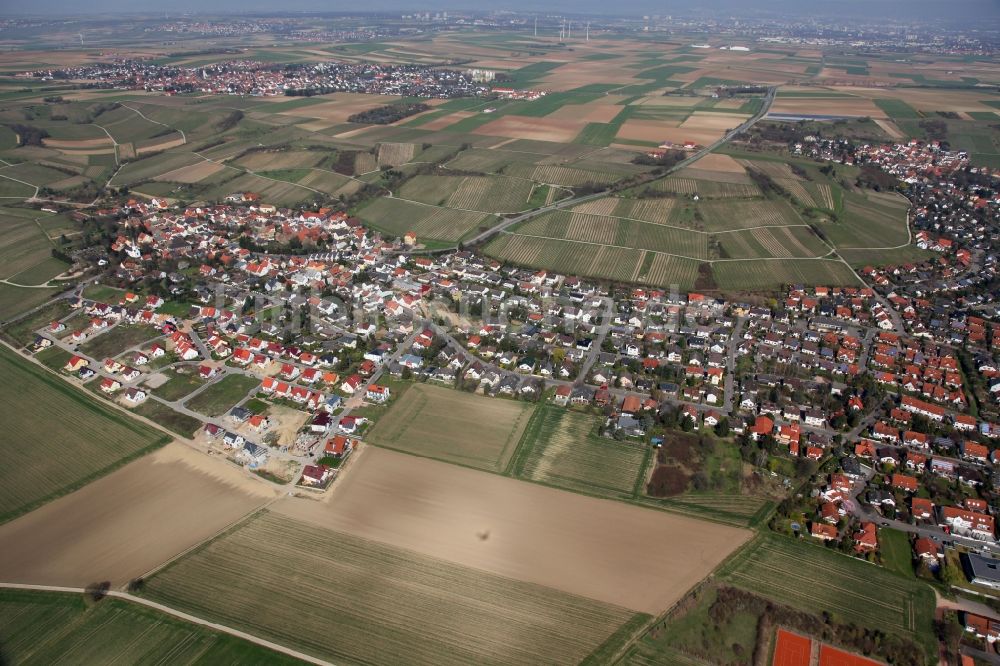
pixel 341 106
pixel 173 143
pixel 102 531
pixel 191 174
pixel 925 99
pixel 356 601
pixel 645 130
pixel 446 120
pixel 704 120
pixel 661 100
pixel 701 137
pixel 538 129
pixel 832 106
pixel 589 113
pixel 624 555
pixel 76 144
pixel 719 162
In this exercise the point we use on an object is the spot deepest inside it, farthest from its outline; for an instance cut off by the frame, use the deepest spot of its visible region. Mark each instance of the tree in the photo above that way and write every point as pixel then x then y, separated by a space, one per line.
pixel 97 591
pixel 722 428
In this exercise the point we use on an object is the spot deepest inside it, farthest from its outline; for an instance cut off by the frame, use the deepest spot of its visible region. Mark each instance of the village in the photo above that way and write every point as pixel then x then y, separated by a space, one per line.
pixel 887 403
pixel 252 78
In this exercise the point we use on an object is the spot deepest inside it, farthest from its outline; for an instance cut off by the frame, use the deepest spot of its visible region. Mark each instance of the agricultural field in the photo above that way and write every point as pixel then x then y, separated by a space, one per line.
pixel 26 248
pixel 744 214
pixel 432 421
pixel 772 274
pixel 101 532
pixel 396 217
pixel 361 598
pixel 596 261
pixel 526 531
pixel 776 242
pixel 224 394
pixel 46 457
pixel 562 449
pixel 51 627
pixel 814 579
pixel 488 194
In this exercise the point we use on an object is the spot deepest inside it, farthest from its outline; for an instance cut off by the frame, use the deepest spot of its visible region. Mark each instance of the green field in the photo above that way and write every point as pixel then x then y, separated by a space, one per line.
pixel 223 395
pixel 22 332
pixel 897 109
pixel 561 448
pixel 397 217
pixel 25 249
pixel 432 421
pixel 488 194
pixel 117 340
pixel 814 579
pixel 54 628
pixel 58 439
pixel 365 602
pixel 178 384
pixel 164 416
pixel 695 637
pixel 894 548
pixel 773 274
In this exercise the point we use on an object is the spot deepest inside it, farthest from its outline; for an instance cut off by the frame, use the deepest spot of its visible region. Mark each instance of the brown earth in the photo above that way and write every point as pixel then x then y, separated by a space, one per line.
pixel 633 557
pixel 133 520
pixel 538 129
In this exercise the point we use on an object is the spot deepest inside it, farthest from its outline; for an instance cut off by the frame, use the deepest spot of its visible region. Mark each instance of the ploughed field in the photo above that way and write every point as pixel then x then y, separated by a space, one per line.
pixel 410 560
pixel 131 521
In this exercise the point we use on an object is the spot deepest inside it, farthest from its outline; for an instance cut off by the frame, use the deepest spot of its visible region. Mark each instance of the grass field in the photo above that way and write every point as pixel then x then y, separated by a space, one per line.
pixel 763 275
pixel 172 420
pixel 562 449
pixel 120 338
pixel 25 249
pixel 433 421
pixel 224 394
pixel 695 637
pixel 897 555
pixel 22 332
pixel 815 579
pixel 45 457
pixel 365 602
pixel 178 384
pixel 397 217
pixel 51 628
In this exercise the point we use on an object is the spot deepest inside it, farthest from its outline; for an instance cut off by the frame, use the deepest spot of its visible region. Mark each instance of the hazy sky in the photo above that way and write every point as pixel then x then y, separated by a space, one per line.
pixel 905 9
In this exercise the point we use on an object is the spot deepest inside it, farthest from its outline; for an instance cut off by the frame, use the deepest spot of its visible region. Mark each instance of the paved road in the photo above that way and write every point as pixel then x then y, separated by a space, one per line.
pixel 730 388
pixel 179 614
pixel 566 203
